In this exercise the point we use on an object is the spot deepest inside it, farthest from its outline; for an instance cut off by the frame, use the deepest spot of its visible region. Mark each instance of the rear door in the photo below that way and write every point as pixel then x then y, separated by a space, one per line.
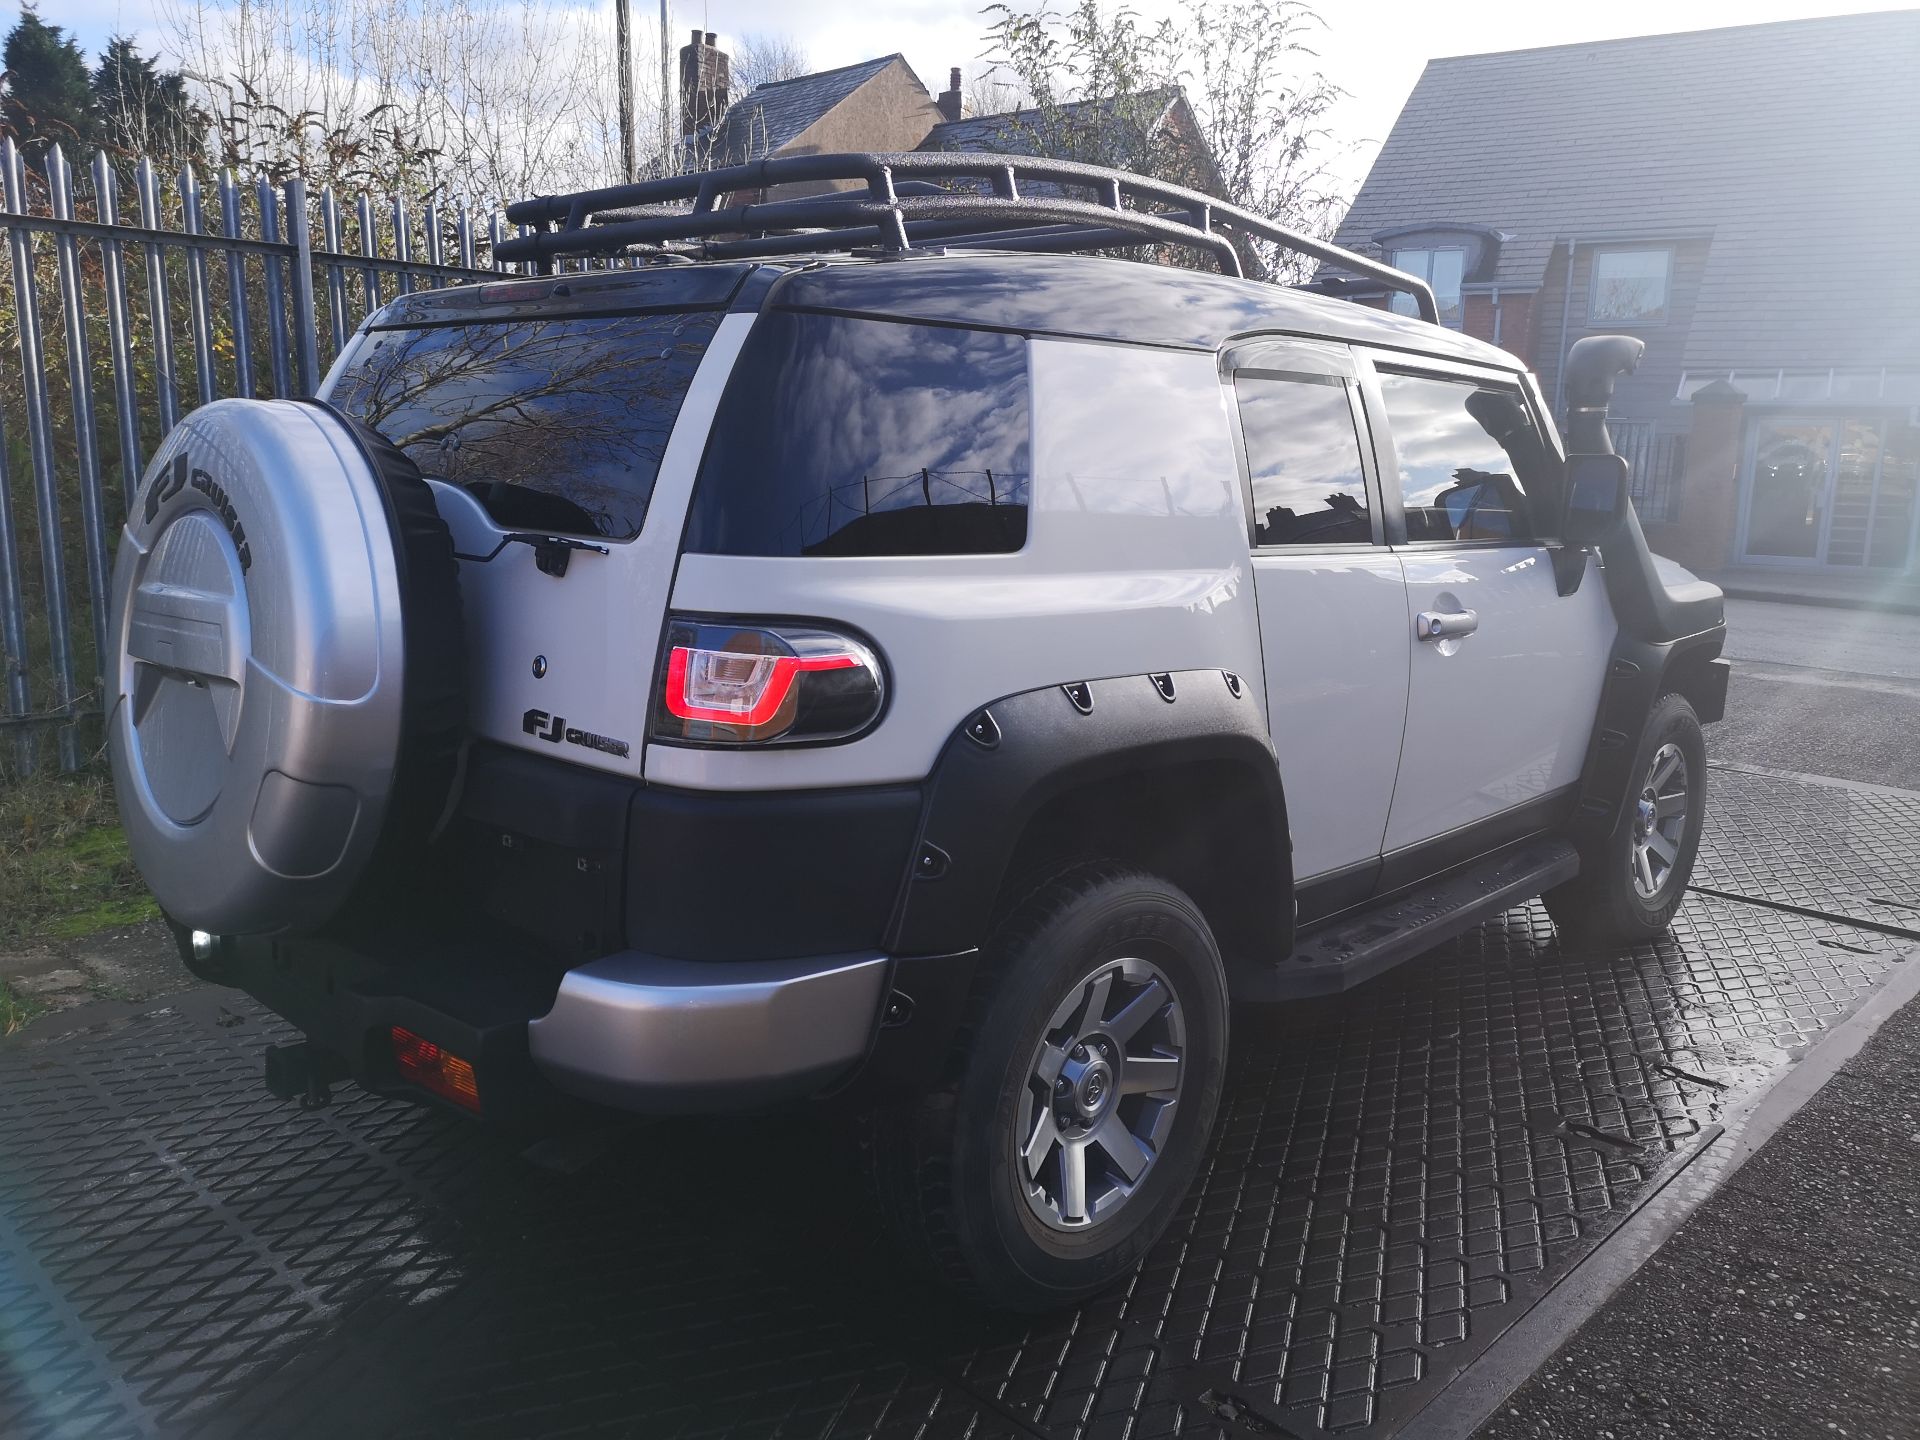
pixel 1506 672
pixel 1332 605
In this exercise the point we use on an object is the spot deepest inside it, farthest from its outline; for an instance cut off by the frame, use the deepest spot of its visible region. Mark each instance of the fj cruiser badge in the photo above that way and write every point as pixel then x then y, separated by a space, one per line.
pixel 554 729
pixel 181 474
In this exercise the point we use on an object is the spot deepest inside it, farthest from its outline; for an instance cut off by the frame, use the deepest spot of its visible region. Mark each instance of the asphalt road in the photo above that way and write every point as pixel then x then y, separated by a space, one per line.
pixel 1823 691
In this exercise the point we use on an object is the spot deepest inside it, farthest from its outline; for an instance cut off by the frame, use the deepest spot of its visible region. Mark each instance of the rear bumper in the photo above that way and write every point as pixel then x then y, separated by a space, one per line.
pixel 631 1031
pixel 645 1033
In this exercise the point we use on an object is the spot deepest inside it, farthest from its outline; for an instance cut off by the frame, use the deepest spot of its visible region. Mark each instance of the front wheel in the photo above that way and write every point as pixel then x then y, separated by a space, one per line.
pixel 1090 1075
pixel 1630 889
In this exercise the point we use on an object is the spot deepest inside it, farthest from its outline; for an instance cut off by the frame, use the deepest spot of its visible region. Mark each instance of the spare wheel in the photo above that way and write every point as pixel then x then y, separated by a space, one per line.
pixel 287 669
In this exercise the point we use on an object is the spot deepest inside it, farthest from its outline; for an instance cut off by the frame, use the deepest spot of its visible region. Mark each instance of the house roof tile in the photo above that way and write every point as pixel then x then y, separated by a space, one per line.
pixel 775 114
pixel 1790 145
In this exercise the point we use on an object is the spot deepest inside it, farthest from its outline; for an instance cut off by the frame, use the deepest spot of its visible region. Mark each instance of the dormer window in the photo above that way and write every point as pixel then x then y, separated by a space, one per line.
pixel 1442 267
pixel 1630 287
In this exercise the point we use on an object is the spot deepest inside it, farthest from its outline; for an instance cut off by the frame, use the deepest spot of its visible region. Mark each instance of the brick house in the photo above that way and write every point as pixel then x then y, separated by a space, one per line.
pixel 882 105
pixel 1745 201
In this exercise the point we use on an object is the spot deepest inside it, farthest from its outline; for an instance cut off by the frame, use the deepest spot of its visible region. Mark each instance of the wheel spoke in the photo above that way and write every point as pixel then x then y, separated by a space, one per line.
pixel 1073 1179
pixel 1663 847
pixel 1129 1156
pixel 1095 1010
pixel 1663 771
pixel 1643 863
pixel 1142 1008
pixel 1666 807
pixel 1149 1074
pixel 1047 1068
pixel 1039 1144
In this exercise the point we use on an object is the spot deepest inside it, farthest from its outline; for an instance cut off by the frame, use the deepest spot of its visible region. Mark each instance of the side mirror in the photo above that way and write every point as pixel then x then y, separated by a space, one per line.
pixel 1597 500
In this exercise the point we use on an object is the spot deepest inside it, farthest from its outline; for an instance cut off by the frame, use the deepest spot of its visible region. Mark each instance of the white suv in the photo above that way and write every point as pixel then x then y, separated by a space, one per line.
pixel 935 679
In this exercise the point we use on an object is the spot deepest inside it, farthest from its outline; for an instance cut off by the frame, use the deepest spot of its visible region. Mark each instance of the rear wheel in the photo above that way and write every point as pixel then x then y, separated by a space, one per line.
pixel 1630 889
pixel 1088 1082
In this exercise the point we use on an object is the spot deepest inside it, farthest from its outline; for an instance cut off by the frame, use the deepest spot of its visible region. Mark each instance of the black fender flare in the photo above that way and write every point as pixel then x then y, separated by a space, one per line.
pixel 1009 760
pixel 1639 672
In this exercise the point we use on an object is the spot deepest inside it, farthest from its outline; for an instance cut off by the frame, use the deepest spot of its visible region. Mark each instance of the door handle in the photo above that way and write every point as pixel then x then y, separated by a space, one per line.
pixel 1446 624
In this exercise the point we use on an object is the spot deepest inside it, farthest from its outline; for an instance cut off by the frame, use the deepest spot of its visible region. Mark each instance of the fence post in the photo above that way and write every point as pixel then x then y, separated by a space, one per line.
pixel 369 247
pixel 166 382
pixel 402 246
pixel 336 278
pixel 306 341
pixel 197 303
pixel 13 617
pixel 106 204
pixel 33 368
pixel 237 286
pixel 86 442
pixel 269 202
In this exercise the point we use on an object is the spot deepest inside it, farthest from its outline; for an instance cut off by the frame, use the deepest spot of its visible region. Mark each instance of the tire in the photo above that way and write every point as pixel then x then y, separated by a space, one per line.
pixel 1628 890
pixel 949 1173
pixel 286 669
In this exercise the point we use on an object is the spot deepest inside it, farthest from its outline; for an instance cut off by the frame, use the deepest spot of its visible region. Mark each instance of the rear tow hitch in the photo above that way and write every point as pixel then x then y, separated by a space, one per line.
pixel 304 1072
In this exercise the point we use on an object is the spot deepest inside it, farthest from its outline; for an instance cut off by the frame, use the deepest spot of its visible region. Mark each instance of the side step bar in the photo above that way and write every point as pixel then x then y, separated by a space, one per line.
pixel 1358 947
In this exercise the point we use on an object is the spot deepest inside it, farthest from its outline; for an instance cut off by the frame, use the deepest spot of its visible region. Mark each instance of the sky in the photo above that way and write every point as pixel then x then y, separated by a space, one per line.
pixel 1374 51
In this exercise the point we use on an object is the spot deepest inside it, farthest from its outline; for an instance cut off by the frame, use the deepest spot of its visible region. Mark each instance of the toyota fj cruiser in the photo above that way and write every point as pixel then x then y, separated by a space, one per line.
pixel 867 649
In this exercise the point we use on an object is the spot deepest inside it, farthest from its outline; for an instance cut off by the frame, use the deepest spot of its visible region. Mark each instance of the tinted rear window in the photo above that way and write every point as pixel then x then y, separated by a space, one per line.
pixel 553 424
pixel 867 437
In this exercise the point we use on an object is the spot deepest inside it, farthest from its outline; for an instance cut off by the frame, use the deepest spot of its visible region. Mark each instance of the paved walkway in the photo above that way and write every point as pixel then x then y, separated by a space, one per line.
pixel 1789 1305
pixel 1843 589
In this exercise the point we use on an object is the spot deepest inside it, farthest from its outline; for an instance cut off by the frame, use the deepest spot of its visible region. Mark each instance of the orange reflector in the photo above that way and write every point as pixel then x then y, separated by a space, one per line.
pixel 425 1064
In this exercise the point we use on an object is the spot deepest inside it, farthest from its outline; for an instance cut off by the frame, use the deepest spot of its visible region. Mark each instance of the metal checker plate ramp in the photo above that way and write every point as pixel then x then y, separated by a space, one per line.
pixel 1398 1174
pixel 1843 849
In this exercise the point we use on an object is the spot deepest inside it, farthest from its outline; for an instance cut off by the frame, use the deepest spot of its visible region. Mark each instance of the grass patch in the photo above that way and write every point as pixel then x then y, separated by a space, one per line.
pixel 15 1010
pixel 64 867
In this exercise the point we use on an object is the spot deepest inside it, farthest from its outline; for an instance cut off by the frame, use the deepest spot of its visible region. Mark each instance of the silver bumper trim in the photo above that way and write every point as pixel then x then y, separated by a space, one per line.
pixel 646 1033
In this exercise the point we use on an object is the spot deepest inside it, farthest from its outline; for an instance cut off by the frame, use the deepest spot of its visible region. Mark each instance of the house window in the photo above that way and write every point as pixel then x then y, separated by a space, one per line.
pixel 1630 287
pixel 1443 268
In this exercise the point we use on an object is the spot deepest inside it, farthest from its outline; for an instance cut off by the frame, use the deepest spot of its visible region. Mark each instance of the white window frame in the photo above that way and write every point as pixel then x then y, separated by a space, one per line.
pixel 1595 318
pixel 1403 304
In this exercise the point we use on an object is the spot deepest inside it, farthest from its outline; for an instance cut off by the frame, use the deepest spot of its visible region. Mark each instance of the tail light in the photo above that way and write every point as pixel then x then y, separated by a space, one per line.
pixel 732 683
pixel 423 1063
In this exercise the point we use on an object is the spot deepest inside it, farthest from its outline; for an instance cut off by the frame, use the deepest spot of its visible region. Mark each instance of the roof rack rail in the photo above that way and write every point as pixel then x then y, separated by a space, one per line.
pixel 904 206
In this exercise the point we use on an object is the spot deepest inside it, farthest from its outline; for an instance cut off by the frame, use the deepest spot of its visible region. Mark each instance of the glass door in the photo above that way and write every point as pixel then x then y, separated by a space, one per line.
pixel 1787 501
pixel 1837 492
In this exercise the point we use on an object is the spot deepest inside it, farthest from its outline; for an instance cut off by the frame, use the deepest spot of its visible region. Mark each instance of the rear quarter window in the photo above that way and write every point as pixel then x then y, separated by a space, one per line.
pixel 843 436
pixel 552 424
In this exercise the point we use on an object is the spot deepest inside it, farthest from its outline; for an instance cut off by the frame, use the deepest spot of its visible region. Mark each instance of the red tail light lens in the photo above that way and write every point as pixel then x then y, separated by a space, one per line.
pixel 739 684
pixel 423 1063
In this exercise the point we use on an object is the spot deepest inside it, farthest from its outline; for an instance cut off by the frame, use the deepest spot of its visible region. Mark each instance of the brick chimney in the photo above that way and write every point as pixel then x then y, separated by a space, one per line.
pixel 704 80
pixel 949 102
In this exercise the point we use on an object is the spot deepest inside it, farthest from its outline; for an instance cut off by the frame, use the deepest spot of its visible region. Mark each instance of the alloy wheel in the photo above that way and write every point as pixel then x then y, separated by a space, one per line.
pixel 1659 822
pixel 1101 1093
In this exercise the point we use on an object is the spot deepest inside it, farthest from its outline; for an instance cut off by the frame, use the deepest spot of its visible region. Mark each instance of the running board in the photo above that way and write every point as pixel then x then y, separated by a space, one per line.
pixel 1358 947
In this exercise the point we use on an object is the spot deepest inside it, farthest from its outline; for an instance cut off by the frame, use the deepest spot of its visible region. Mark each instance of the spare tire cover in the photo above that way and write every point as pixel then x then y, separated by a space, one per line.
pixel 257 666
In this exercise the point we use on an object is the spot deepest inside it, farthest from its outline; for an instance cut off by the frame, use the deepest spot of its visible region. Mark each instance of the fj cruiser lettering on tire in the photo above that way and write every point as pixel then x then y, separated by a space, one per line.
pixel 1023 653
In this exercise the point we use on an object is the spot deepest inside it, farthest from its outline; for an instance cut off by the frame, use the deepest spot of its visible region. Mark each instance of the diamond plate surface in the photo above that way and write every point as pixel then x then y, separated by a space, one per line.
pixel 1841 849
pixel 1397 1174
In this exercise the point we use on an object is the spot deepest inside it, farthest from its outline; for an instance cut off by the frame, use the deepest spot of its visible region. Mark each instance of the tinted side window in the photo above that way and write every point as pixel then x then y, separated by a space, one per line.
pixel 1304 457
pixel 867 437
pixel 552 424
pixel 1469 456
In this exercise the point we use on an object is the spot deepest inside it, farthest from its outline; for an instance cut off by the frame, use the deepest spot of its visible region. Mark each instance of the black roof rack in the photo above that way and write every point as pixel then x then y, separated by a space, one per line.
pixel 906 205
